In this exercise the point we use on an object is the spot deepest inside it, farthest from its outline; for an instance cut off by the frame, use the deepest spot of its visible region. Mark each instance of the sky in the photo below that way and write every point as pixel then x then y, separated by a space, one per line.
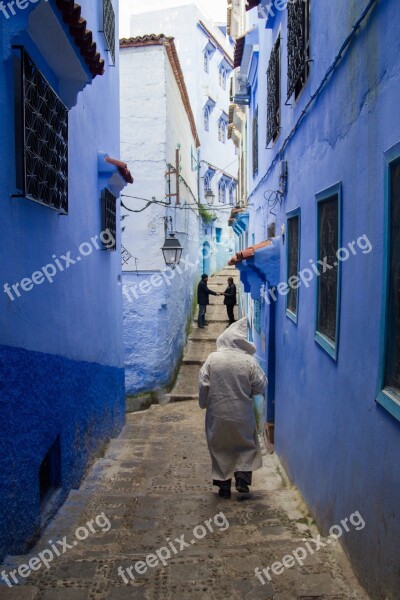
pixel 214 9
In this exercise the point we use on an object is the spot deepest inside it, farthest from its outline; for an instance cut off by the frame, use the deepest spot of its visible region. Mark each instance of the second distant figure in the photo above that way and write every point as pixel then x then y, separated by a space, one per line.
pixel 203 294
pixel 230 300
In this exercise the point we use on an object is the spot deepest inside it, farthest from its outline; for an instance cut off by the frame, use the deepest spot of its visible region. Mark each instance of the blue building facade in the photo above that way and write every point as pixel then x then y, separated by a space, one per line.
pixel 324 187
pixel 62 375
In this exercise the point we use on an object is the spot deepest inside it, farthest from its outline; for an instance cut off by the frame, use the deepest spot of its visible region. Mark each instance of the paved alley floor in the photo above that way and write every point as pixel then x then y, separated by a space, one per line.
pixel 147 523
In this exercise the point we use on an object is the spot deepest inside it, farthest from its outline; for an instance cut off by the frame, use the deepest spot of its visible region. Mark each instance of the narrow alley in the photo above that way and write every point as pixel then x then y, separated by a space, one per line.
pixel 153 493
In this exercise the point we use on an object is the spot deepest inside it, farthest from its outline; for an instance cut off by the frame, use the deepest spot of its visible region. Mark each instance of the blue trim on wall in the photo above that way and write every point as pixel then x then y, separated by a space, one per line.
pixel 388 398
pixel 289 215
pixel 331 348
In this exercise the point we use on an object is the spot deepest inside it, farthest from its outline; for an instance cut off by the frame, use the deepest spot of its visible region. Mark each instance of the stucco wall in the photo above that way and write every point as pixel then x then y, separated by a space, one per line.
pixel 338 445
pixel 61 342
pixel 182 22
pixel 153 123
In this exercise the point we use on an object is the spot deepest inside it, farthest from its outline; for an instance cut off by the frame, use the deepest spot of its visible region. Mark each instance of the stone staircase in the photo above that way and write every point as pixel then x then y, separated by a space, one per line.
pixel 201 342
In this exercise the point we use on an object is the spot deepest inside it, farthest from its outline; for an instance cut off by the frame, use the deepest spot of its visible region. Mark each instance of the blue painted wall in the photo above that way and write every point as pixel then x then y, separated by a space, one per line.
pixel 337 444
pixel 61 366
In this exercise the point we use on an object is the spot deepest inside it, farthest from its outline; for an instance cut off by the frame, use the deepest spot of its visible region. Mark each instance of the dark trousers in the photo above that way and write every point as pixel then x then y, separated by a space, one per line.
pixel 231 316
pixel 202 315
pixel 226 485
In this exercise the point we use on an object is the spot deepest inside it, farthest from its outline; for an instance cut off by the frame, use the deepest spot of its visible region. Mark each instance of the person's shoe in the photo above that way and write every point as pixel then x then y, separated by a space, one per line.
pixel 242 486
pixel 200 326
pixel 206 324
pixel 224 493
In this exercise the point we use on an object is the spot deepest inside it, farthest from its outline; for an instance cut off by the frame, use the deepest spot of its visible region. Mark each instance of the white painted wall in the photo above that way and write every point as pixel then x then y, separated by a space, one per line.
pixel 182 23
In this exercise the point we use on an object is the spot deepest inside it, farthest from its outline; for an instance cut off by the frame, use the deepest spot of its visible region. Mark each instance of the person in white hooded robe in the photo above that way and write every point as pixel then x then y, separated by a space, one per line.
pixel 227 381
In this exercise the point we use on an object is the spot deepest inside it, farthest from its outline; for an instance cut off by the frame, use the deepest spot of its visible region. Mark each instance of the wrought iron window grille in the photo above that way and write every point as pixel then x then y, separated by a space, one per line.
pixel 109 217
pixel 274 93
pixel 41 132
pixel 109 27
pixel 298 46
pixel 255 143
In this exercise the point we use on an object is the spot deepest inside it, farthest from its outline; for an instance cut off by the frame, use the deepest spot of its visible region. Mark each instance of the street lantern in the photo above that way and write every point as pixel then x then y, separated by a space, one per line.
pixel 172 251
pixel 210 197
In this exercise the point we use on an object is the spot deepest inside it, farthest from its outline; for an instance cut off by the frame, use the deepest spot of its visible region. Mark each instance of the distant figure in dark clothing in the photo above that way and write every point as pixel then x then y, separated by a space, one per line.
pixel 203 293
pixel 230 300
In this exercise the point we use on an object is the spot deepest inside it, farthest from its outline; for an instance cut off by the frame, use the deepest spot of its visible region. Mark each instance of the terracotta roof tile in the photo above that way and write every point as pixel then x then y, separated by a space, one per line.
pixel 122 168
pixel 83 37
pixel 248 252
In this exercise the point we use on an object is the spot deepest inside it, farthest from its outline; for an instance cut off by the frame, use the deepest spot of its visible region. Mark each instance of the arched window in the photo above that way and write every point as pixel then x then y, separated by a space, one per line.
pixel 206 117
pixel 221 191
pixel 206 62
pixel 232 194
pixel 207 183
pixel 222 77
pixel 222 130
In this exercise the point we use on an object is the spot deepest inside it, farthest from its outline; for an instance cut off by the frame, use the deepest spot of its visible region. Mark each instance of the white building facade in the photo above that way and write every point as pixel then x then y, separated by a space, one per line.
pixel 159 137
pixel 206 55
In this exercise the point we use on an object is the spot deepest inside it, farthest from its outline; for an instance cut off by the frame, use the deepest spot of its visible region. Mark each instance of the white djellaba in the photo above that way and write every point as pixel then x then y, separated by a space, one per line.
pixel 227 381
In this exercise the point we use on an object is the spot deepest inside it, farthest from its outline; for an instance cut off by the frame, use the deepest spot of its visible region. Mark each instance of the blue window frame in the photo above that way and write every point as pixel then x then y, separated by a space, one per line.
pixel 206 61
pixel 222 191
pixel 328 283
pixel 206 117
pixel 293 262
pixel 389 381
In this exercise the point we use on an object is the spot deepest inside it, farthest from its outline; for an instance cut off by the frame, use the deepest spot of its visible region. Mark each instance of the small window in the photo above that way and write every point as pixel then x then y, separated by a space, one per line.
pixel 389 395
pixel 108 218
pixel 298 46
pixel 293 257
pixel 206 61
pixel 206 118
pixel 274 93
pixel 232 189
pixel 222 192
pixel 41 130
pixel 218 234
pixel 327 326
pixel 50 473
pixel 222 130
pixel 207 183
pixel 222 77
pixel 255 142
pixel 109 27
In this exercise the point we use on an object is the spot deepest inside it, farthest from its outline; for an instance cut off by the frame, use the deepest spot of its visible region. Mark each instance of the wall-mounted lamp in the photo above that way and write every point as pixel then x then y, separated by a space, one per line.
pixel 210 197
pixel 172 249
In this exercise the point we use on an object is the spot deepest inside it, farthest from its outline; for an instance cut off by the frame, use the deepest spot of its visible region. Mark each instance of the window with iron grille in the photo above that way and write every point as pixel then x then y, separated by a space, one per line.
pixel 293 254
pixel 222 130
pixel 206 118
pixel 109 27
pixel 255 142
pixel 206 61
pixel 274 93
pixel 41 128
pixel 298 46
pixel 328 284
pixel 109 217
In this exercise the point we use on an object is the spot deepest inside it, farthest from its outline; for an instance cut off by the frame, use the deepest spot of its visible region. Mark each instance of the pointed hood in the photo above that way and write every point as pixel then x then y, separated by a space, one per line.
pixel 235 338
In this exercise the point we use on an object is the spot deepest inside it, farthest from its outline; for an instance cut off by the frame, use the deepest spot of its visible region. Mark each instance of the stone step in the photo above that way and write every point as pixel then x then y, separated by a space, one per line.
pixel 187 383
pixel 181 398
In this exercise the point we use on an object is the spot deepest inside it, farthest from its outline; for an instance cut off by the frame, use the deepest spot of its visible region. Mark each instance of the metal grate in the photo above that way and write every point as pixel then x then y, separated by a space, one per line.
pixel 293 261
pixel 255 142
pixel 109 27
pixel 328 240
pixel 41 137
pixel 298 46
pixel 274 93
pixel 109 218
